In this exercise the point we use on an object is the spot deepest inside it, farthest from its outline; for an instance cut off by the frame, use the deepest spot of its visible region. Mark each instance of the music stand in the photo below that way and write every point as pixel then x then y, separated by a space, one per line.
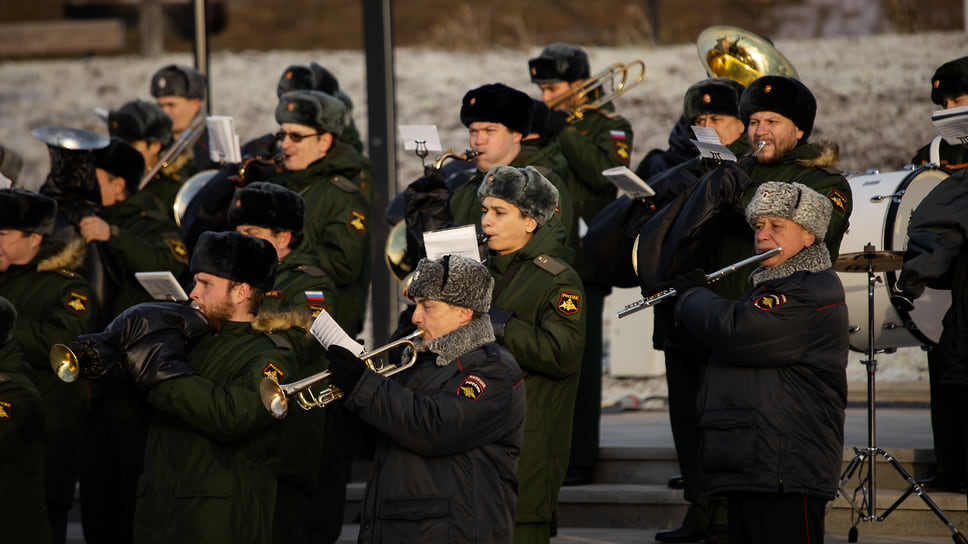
pixel 866 509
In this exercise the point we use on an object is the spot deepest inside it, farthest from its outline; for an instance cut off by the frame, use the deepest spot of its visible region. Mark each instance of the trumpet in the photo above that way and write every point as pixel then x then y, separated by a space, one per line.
pixel 275 397
pixel 601 88
pixel 656 298
pixel 468 155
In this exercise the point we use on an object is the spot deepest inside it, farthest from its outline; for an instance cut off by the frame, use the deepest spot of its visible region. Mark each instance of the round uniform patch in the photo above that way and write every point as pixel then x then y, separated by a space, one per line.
pixel 568 303
pixel 273 371
pixel 839 200
pixel 472 387
pixel 770 302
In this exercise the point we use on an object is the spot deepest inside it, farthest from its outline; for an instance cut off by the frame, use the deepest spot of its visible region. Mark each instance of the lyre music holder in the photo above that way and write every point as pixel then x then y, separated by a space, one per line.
pixel 866 507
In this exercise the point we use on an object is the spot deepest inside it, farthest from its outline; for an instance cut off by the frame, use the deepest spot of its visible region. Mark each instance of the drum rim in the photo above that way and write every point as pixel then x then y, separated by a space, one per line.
pixel 890 217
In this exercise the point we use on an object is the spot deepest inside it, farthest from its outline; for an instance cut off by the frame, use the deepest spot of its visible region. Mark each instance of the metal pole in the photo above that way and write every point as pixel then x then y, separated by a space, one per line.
pixel 152 27
pixel 201 48
pixel 381 140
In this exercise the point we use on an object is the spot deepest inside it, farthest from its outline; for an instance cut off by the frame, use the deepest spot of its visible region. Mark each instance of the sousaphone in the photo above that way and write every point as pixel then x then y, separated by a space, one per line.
pixel 727 51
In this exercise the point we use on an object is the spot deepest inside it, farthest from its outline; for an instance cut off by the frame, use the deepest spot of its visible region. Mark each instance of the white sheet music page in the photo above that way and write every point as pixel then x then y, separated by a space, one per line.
pixel 223 141
pixel 952 124
pixel 709 146
pixel 327 332
pixel 628 182
pixel 161 285
pixel 453 241
pixel 425 134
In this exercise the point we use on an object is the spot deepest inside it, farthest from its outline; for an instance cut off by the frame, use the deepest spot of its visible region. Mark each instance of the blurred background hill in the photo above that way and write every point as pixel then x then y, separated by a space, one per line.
pixel 238 25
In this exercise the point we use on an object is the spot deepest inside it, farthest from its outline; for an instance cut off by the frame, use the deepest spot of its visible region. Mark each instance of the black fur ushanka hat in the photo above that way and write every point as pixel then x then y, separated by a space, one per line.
pixel 312 109
pixel 780 94
pixel 268 205
pixel 236 257
pixel 27 211
pixel 497 103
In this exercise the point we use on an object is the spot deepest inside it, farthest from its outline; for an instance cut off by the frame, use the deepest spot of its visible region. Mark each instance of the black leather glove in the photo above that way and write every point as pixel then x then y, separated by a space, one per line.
pixel 156 357
pixel 499 319
pixel 346 367
pixel 684 282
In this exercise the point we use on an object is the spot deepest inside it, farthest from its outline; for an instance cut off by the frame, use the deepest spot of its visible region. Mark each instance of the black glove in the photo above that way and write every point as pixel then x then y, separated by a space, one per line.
pixel 156 357
pixel 346 367
pixel 684 282
pixel 499 319
pixel 557 121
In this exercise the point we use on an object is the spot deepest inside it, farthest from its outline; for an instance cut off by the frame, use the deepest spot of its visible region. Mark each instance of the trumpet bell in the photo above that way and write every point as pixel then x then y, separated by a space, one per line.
pixel 76 139
pixel 728 51
pixel 188 190
pixel 395 251
pixel 64 363
pixel 274 398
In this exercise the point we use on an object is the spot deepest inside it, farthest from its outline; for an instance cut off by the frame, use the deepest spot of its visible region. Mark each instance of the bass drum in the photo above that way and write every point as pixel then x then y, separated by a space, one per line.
pixel 883 203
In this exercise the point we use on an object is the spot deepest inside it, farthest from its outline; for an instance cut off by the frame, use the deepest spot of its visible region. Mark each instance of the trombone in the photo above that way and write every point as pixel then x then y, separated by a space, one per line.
pixel 275 397
pixel 599 89
pixel 187 139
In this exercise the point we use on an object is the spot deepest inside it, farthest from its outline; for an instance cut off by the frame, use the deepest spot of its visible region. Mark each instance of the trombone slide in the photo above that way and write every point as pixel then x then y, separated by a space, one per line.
pixel 656 298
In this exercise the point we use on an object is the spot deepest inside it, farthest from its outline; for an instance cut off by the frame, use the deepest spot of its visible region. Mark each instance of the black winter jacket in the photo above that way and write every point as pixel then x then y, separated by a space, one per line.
pixel 937 257
pixel 771 407
pixel 450 433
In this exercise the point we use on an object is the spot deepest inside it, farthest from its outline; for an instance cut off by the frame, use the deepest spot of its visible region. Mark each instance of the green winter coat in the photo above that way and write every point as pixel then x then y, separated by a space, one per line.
pixel 600 140
pixel 336 225
pixel 55 305
pixel 211 444
pixel 165 186
pixel 546 336
pixel 812 165
pixel 143 241
pixel 23 511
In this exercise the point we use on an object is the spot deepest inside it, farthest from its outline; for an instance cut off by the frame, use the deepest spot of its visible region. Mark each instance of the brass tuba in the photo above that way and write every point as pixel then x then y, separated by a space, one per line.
pixel 727 51
pixel 275 397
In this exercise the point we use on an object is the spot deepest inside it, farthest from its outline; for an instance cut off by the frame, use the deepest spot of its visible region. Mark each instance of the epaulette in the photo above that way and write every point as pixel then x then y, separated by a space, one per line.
pixel 67 273
pixel 550 264
pixel 279 340
pixel 344 184
pixel 832 170
pixel 313 271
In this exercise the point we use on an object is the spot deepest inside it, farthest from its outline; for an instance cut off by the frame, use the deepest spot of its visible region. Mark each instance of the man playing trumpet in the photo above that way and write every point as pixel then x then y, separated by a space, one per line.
pixel 449 429
pixel 771 406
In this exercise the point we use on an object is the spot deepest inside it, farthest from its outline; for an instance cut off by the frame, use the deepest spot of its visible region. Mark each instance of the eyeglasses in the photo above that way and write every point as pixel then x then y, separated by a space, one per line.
pixel 296 138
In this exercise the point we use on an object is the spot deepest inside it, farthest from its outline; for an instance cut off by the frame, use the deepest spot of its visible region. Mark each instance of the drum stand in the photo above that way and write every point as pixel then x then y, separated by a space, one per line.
pixel 866 508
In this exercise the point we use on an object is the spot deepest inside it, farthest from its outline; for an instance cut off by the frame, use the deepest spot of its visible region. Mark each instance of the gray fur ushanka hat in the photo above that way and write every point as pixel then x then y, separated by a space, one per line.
pixel 526 188
pixel 178 80
pixel 312 109
pixel 559 62
pixel 794 201
pixel 453 279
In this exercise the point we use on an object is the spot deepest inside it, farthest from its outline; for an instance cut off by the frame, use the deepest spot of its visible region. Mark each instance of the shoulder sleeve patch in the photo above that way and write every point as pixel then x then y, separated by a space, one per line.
pixel 344 184
pixel 550 264
pixel 839 200
pixel 472 387
pixel 6 410
pixel 77 302
pixel 569 303
pixel 272 370
pixel 770 301
pixel 313 271
pixel 358 221
pixel 177 248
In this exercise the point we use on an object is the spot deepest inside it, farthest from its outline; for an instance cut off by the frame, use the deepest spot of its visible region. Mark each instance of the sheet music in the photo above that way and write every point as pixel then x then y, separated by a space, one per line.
pixel 223 140
pixel 327 332
pixel 952 124
pixel 427 134
pixel 161 285
pixel 709 146
pixel 453 241
pixel 628 182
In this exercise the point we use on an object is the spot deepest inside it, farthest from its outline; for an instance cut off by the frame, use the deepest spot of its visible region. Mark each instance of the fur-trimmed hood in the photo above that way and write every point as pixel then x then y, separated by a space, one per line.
pixel 54 255
pixel 459 341
pixel 821 154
